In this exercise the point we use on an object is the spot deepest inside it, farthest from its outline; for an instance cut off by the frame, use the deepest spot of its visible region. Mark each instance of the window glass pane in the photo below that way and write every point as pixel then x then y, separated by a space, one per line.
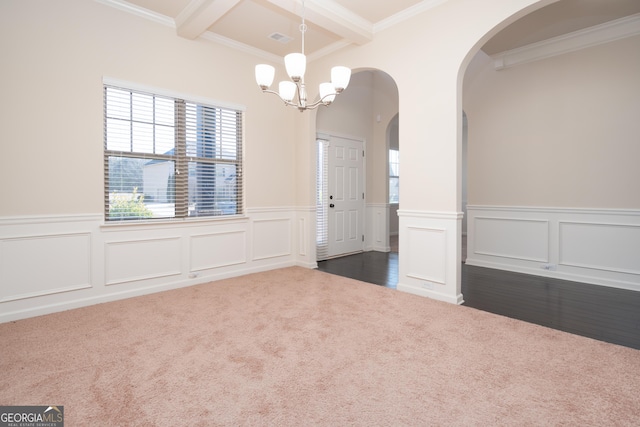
pixel 394 163
pixel 118 137
pixel 165 140
pixel 118 103
pixel 201 131
pixel 212 189
pixel 142 137
pixel 142 107
pixel 165 111
pixel 394 190
pixel 394 173
pixel 229 135
pixel 140 188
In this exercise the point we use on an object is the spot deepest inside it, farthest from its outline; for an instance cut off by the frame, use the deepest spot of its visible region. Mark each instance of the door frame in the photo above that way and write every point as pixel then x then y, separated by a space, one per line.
pixel 322 206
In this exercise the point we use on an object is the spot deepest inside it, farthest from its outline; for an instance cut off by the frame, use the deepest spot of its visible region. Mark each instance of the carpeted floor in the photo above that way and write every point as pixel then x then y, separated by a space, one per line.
pixel 298 347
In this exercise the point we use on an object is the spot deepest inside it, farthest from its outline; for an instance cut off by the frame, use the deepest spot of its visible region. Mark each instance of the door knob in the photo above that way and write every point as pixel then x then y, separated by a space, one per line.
pixel 332 205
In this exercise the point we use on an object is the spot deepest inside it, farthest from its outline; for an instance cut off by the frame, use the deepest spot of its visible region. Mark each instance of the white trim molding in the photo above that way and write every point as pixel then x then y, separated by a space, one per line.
pixel 599 34
pixel 54 263
pixel 377 227
pixel 596 246
pixel 140 12
pixel 430 254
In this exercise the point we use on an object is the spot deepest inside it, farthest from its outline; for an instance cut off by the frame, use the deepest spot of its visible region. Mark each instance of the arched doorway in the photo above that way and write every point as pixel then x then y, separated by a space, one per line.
pixel 540 123
pixel 364 112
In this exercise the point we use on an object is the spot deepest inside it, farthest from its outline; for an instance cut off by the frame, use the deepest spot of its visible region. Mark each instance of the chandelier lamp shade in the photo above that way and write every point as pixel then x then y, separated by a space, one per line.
pixel 294 92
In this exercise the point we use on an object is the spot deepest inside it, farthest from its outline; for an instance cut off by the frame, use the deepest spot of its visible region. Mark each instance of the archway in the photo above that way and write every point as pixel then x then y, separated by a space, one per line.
pixel 538 129
pixel 365 111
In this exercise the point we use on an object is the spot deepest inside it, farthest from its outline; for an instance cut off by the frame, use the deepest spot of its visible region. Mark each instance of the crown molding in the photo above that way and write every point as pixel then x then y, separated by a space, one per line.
pixel 334 47
pixel 139 11
pixel 571 42
pixel 199 15
pixel 225 41
pixel 356 27
pixel 406 14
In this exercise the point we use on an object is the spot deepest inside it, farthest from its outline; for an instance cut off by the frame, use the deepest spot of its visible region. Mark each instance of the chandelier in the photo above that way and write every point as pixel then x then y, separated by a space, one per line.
pixel 294 92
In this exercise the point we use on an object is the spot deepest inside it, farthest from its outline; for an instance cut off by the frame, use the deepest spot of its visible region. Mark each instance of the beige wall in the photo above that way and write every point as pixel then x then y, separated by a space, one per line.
pixel 54 58
pixel 424 56
pixel 561 132
pixel 56 61
pixel 364 111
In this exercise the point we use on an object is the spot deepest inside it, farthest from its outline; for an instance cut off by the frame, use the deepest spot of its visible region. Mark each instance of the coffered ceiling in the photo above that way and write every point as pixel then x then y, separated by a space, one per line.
pixel 270 28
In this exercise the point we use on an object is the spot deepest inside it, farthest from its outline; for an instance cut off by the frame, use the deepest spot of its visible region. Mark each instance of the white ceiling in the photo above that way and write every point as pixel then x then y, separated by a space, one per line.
pixel 333 24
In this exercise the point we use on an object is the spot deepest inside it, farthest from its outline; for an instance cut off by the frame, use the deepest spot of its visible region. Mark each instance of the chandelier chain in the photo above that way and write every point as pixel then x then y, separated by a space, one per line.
pixel 303 26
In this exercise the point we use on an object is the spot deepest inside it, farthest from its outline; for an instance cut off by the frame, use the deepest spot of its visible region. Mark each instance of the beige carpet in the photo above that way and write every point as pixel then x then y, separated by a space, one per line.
pixel 297 347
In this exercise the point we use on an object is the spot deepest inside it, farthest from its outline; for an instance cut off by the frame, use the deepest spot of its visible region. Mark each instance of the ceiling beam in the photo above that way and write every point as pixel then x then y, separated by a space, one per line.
pixel 199 15
pixel 332 17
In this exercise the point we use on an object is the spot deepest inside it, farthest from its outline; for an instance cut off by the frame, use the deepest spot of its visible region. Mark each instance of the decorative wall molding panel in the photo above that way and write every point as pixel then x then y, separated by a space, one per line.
pixel 63 264
pixel 305 218
pixel 50 264
pixel 593 36
pixel 597 246
pixel 493 238
pixel 376 232
pixel 215 250
pixel 142 259
pixel 427 243
pixel 430 263
pixel 271 238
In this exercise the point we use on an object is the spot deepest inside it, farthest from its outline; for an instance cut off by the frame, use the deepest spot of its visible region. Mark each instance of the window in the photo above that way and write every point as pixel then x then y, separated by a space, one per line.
pixel 169 158
pixel 322 200
pixel 394 176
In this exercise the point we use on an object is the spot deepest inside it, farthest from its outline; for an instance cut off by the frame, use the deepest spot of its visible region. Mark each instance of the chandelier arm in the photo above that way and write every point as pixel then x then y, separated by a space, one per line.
pixel 302 106
pixel 289 103
pixel 321 101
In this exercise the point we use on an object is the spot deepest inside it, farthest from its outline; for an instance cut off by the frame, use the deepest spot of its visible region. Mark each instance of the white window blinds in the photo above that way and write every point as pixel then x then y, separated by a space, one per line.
pixel 166 157
pixel 322 200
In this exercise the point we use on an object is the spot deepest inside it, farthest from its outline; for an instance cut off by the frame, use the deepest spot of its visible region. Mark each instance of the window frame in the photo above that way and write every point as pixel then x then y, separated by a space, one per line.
pixel 183 160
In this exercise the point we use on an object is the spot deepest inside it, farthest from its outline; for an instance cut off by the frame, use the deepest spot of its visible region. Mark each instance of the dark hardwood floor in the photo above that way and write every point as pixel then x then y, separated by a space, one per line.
pixel 599 312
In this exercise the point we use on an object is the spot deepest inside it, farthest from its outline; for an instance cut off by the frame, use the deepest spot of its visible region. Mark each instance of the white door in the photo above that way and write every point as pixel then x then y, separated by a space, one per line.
pixel 346 196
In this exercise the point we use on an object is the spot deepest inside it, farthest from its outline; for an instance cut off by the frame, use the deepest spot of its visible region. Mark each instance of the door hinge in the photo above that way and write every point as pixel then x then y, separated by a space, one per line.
pixel 363 237
pixel 362 153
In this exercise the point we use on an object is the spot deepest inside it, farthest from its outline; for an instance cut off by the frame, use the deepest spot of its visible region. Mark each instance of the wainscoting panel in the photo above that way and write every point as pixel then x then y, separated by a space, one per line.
pixel 608 247
pixel 302 237
pixel 305 217
pixel 135 260
pixel 494 238
pixel 55 263
pixel 596 246
pixel 427 254
pixel 376 231
pixel 33 266
pixel 215 250
pixel 429 260
pixel 271 238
